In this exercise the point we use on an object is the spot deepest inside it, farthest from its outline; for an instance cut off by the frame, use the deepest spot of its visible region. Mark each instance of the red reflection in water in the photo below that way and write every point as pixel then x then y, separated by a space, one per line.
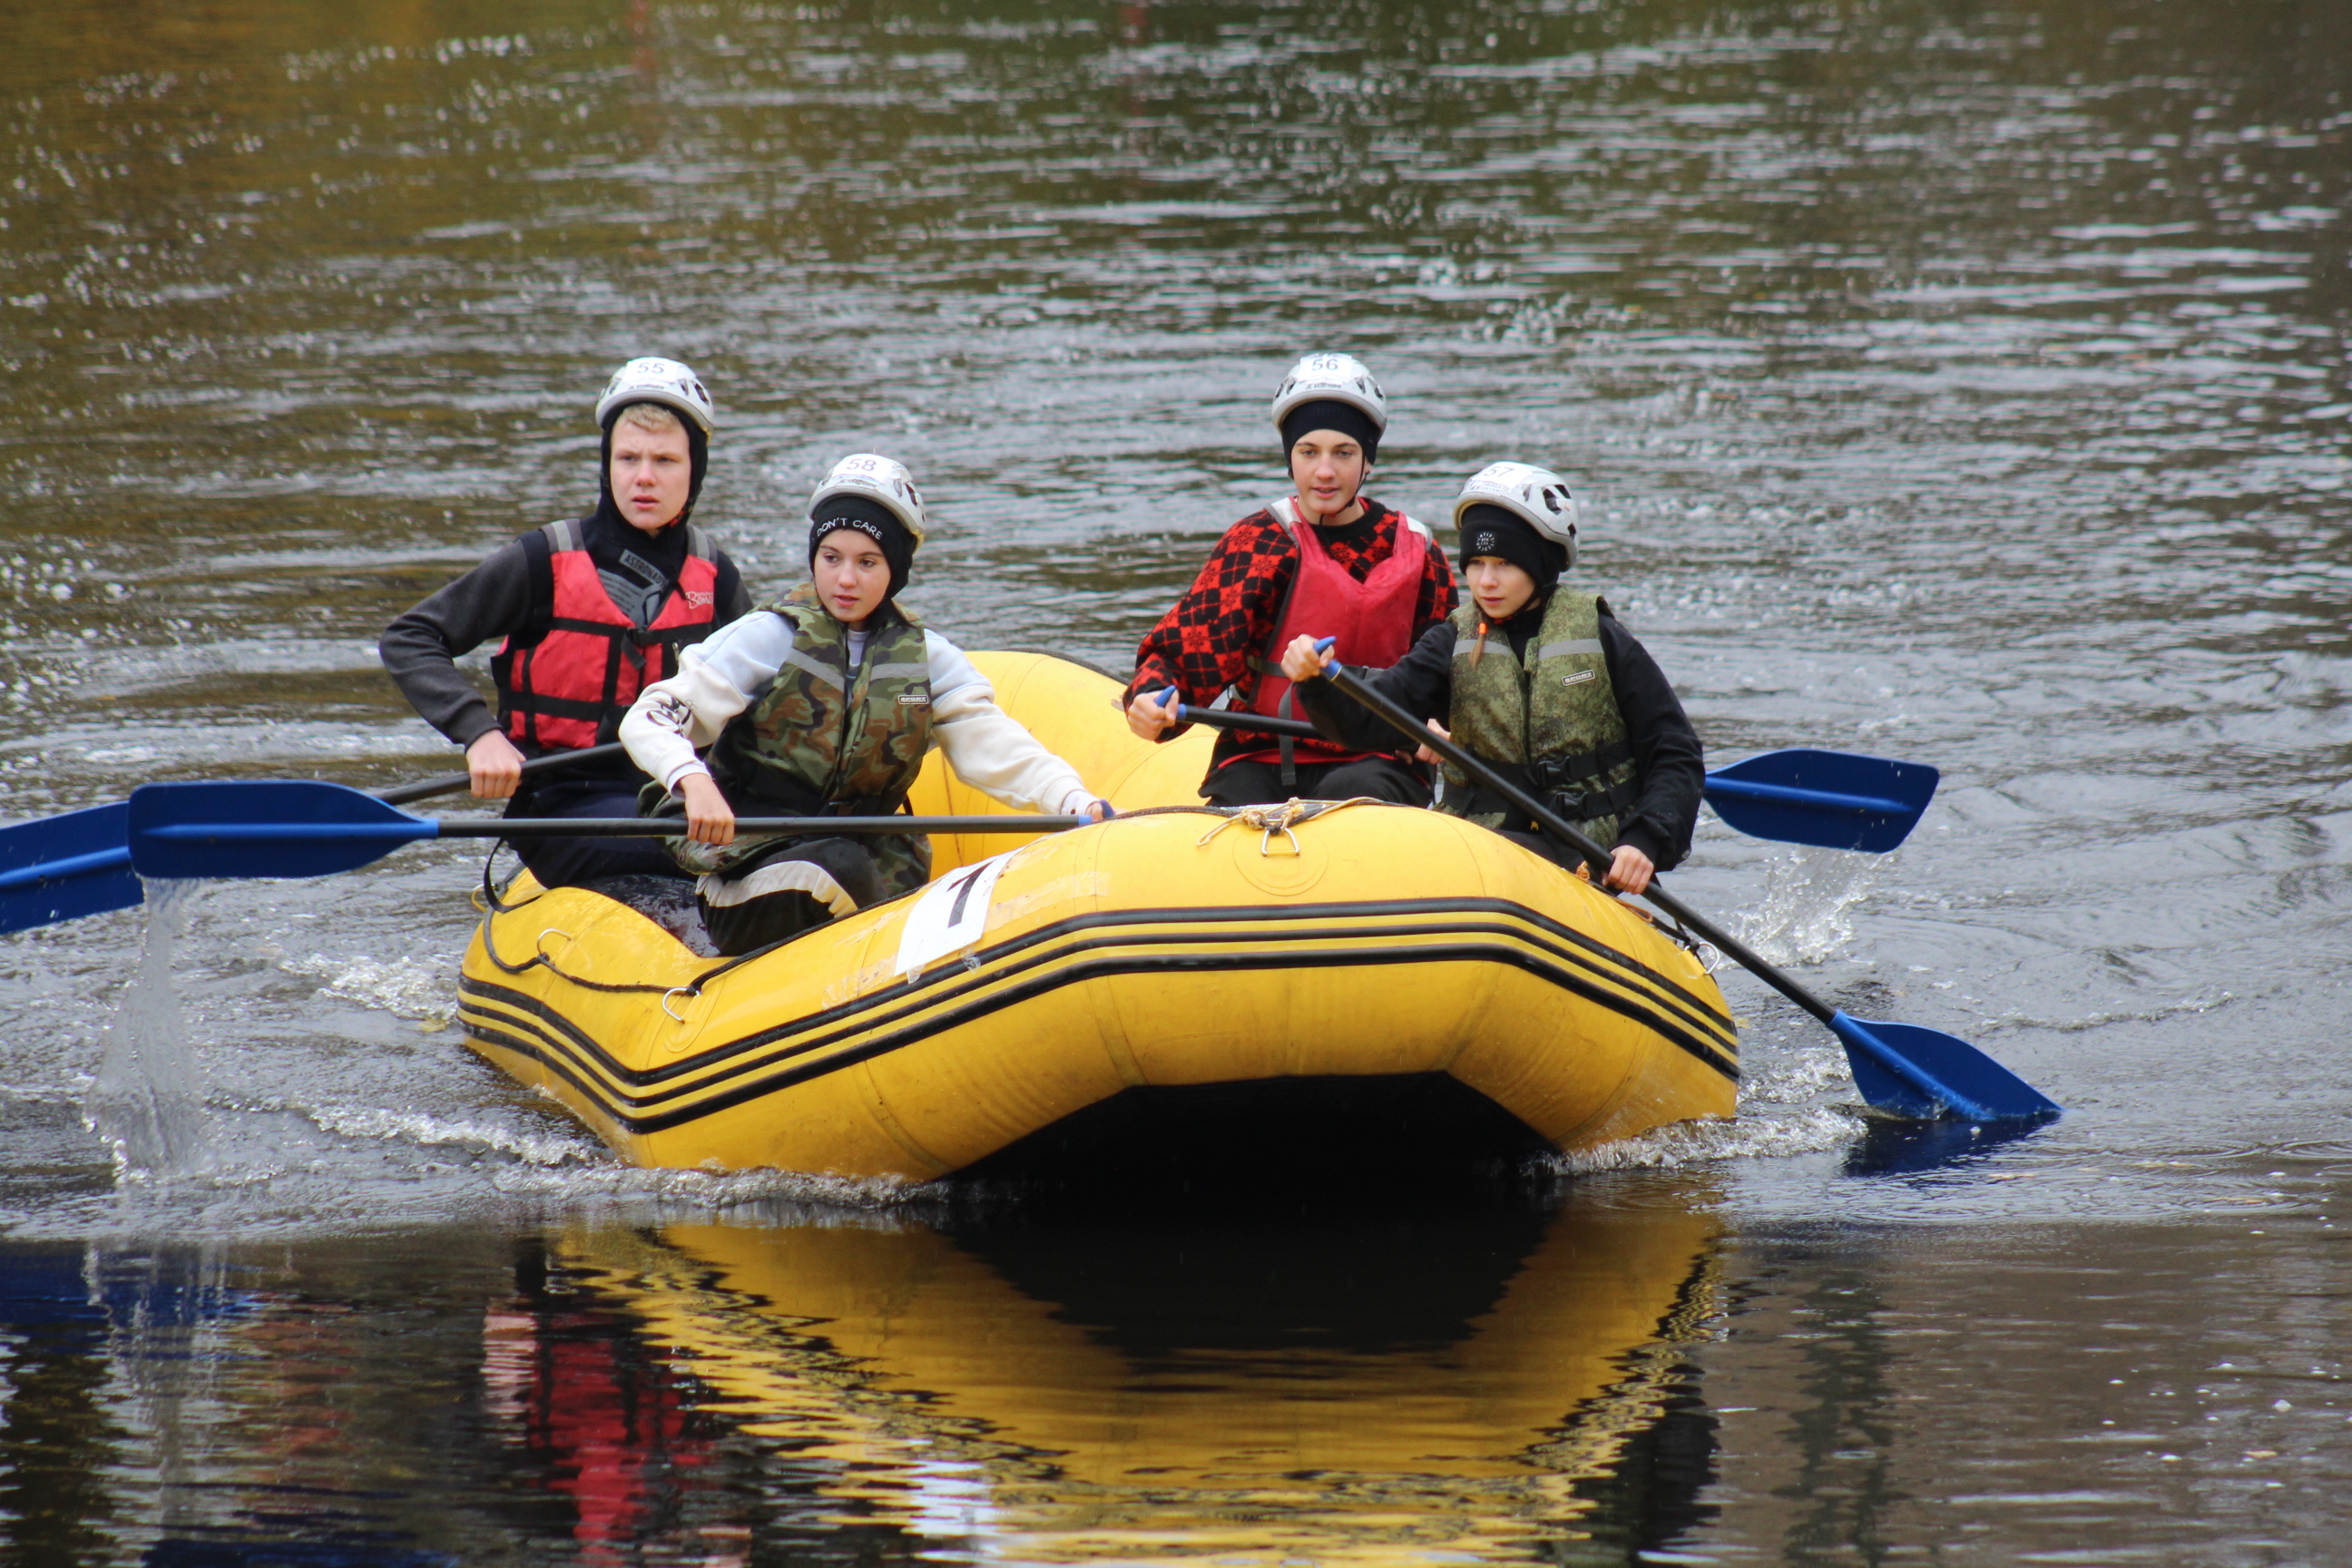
pixel 612 1422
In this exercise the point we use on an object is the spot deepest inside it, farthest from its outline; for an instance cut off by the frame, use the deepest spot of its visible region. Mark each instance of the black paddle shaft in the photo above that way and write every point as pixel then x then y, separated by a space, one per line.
pixel 1242 718
pixel 450 784
pixel 1558 826
pixel 675 826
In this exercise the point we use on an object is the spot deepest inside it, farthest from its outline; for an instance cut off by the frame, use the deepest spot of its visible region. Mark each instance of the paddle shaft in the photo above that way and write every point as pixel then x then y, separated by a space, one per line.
pixel 450 784
pixel 1242 718
pixel 118 857
pixel 409 830
pixel 674 826
pixel 1552 823
pixel 34 876
pixel 1737 789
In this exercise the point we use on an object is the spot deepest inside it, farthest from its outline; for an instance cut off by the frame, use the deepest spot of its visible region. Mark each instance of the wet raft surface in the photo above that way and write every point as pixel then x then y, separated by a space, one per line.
pixel 1964 383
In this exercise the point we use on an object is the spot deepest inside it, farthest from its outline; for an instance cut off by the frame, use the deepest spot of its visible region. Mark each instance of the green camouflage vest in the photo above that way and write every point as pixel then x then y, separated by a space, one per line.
pixel 827 738
pixel 1552 722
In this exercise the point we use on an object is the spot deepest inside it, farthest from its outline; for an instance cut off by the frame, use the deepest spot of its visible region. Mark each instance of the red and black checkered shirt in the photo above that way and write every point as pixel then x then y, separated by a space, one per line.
pixel 1204 643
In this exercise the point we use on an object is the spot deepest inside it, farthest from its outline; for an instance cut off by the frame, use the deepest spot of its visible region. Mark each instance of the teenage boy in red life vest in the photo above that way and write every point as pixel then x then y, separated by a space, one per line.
pixel 1326 559
pixel 592 611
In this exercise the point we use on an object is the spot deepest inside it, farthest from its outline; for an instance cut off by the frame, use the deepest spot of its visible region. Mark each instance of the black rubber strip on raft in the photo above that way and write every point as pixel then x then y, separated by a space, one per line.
pixel 959 979
pixel 591 1056
pixel 560 1032
pixel 948 1018
pixel 955 982
pixel 1242 914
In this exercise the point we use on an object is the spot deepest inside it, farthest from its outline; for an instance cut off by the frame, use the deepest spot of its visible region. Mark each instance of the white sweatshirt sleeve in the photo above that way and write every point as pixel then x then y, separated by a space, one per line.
pixel 716 679
pixel 987 747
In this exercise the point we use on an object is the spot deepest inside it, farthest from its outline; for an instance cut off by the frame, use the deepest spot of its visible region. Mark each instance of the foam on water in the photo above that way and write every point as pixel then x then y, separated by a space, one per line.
pixel 1786 1109
pixel 422 1130
pixel 1809 1129
pixel 700 1190
pixel 424 988
pixel 2186 1006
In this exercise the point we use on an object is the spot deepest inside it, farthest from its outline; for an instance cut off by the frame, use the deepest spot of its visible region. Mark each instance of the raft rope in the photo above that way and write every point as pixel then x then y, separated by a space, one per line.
pixel 1270 820
pixel 495 907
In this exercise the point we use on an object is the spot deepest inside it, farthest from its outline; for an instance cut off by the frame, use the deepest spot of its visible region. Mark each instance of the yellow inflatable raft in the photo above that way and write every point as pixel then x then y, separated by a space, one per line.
pixel 1394 964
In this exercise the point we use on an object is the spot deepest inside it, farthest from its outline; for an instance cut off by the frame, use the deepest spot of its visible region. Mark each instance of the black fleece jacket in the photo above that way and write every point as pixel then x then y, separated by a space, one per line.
pixel 1666 750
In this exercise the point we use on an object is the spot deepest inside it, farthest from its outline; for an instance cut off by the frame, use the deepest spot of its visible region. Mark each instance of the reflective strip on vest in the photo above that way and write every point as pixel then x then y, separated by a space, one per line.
pixel 1558 704
pixel 570 688
pixel 807 663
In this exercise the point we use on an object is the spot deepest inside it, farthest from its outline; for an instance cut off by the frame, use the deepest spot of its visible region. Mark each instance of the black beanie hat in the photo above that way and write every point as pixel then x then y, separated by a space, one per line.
pixel 875 521
pixel 1498 531
pixel 698 458
pixel 1330 414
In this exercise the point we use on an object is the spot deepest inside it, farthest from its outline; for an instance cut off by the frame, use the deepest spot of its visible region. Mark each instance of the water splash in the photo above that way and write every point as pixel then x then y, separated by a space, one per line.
pixel 422 989
pixel 1789 1106
pixel 1807 1130
pixel 579 1187
pixel 422 1131
pixel 148 1101
pixel 1808 896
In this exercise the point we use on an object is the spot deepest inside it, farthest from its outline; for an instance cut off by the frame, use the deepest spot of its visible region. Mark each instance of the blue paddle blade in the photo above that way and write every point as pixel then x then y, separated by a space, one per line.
pixel 1834 799
pixel 63 867
pixel 277 827
pixel 1927 1075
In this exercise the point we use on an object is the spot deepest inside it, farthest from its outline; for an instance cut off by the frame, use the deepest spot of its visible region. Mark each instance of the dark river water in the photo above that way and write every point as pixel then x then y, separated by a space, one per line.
pixel 1957 380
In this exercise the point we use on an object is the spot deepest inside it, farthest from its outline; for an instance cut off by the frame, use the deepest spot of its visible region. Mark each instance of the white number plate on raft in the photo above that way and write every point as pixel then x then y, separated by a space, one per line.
pixel 952 913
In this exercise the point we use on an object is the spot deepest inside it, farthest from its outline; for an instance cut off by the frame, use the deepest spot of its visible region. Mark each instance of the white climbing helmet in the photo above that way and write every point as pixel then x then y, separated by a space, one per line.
pixel 881 479
pixel 1524 491
pixel 1341 378
pixel 662 381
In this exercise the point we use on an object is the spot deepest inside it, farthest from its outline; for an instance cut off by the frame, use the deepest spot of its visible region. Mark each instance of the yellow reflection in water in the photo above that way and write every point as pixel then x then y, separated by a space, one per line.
pixel 948 1400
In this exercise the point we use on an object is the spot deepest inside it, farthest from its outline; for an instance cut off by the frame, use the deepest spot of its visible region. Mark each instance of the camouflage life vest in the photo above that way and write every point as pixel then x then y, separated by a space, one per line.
pixel 827 740
pixel 1549 722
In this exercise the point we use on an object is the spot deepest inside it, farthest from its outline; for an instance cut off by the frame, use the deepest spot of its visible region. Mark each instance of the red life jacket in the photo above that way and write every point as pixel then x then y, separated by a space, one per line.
pixel 1373 619
pixel 568 688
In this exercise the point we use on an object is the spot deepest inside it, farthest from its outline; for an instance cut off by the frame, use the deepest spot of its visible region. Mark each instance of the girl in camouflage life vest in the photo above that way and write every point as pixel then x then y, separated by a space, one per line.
pixel 825 702
pixel 1541 681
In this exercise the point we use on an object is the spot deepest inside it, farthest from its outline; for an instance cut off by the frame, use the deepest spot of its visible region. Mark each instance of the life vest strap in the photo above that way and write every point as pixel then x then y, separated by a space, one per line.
pixel 1553 781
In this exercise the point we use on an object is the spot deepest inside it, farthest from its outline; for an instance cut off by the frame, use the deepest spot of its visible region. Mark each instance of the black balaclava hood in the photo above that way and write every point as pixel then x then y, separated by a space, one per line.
pixel 1330 414
pixel 697 453
pixel 877 522
pixel 1498 531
